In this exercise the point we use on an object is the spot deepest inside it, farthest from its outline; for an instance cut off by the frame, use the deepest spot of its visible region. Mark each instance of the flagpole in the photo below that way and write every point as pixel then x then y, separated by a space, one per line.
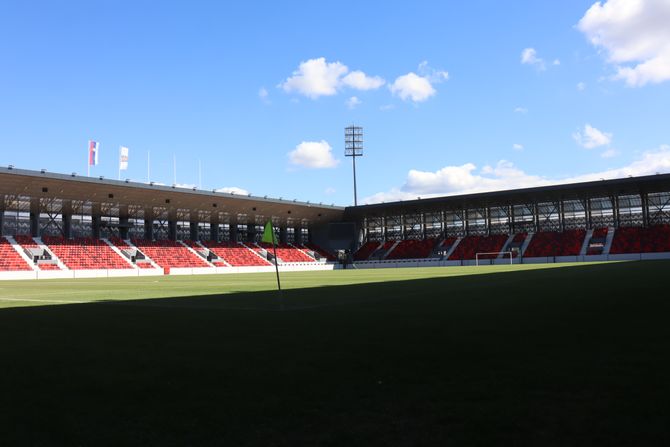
pixel 274 249
pixel 119 163
pixel 148 167
pixel 88 160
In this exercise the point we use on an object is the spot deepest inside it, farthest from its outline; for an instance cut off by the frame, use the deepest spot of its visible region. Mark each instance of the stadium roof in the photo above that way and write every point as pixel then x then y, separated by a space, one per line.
pixel 98 189
pixel 572 191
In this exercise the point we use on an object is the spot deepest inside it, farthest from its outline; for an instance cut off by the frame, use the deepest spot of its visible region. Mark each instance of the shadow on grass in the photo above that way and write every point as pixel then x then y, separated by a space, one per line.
pixel 574 355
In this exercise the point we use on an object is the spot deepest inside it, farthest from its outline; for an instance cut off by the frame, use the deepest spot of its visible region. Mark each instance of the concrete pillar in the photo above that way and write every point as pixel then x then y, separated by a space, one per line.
pixel 124 220
pixel 35 217
pixel 193 226
pixel 214 226
pixel 172 226
pixel 645 209
pixel 233 232
pixel 298 235
pixel 95 220
pixel 251 232
pixel 587 208
pixel 282 235
pixel 66 214
pixel 149 223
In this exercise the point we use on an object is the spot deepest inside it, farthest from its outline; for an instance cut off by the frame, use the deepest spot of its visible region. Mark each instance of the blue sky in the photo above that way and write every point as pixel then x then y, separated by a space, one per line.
pixel 453 96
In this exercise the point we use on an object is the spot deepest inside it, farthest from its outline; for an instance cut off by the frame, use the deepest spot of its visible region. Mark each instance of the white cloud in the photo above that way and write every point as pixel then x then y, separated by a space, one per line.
pixel 520 110
pixel 517 147
pixel 263 93
pixel 313 154
pixel 556 62
pixel 581 86
pixel 418 87
pixel 386 107
pixel 609 153
pixel 317 77
pixel 412 87
pixel 353 102
pixel 529 57
pixel 591 137
pixel 466 179
pixel 635 35
pixel 361 81
pixel 330 190
pixel 233 189
pixel 432 74
pixel 184 185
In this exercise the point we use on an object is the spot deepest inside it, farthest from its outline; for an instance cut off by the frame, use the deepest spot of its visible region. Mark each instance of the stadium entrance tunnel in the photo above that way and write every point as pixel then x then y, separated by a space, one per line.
pixel 514 357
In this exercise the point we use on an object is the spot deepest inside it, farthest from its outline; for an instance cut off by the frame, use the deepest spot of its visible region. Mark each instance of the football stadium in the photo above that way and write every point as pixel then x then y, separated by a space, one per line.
pixel 492 272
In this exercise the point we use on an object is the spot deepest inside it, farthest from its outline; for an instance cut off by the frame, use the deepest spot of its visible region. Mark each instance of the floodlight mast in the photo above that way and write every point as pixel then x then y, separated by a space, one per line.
pixel 353 147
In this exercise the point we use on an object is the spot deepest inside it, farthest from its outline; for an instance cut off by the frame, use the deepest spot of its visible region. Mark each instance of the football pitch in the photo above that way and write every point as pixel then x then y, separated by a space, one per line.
pixel 567 354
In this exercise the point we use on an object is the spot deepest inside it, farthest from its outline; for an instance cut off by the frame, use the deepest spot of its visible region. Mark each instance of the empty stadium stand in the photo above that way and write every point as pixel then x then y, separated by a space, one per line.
pixel 654 239
pixel 85 253
pixel 169 254
pixel 315 248
pixel 10 260
pixel 288 253
pixel 366 250
pixel 235 254
pixel 554 243
pixel 471 245
pixel 413 249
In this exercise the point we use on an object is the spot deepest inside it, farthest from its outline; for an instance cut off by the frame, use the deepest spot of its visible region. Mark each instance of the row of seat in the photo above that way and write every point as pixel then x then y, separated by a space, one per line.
pixel 10 260
pixel 413 249
pixel 85 253
pixel 654 239
pixel 169 254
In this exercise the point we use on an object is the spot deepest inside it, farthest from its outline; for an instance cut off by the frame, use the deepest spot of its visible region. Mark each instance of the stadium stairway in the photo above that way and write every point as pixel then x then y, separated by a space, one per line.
pixel 197 253
pixel 507 245
pixel 453 247
pixel 122 244
pixel 587 241
pixel 46 248
pixel 118 252
pixel 390 250
pixel 526 243
pixel 609 240
pixel 206 253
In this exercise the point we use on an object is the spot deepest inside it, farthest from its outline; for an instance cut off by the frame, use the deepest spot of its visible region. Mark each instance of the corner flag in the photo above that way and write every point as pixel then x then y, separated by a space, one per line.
pixel 270 237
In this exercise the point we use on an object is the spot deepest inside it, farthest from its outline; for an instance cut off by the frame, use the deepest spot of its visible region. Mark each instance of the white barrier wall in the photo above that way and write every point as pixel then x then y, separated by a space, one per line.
pixel 72 274
pixel 311 266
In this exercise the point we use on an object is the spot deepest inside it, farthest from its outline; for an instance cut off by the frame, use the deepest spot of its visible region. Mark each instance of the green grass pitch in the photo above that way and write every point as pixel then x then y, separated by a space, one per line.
pixel 570 354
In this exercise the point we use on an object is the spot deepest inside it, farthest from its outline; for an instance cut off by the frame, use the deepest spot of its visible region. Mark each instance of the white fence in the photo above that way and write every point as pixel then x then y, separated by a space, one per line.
pixel 72 274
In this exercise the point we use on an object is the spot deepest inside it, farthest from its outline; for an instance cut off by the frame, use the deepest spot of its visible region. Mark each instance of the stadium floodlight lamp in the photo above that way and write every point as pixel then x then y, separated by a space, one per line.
pixel 102 177
pixel 353 147
pixel 10 167
pixel 43 171
pixel 74 174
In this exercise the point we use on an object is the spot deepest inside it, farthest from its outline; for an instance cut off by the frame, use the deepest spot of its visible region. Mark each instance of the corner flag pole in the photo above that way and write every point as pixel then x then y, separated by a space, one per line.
pixel 270 237
pixel 274 249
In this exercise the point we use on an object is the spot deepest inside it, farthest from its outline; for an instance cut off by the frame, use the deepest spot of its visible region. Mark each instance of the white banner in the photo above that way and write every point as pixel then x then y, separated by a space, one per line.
pixel 123 158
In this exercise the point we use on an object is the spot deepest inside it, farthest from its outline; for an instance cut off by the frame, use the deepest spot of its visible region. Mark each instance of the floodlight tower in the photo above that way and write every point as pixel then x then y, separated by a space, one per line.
pixel 353 147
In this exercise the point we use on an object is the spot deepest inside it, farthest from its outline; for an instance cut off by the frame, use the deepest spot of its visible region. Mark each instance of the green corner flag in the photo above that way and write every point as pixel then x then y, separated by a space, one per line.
pixel 269 234
pixel 270 237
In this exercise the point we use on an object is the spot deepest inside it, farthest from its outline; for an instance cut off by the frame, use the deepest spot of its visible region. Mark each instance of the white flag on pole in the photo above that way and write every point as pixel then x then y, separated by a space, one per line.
pixel 123 158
